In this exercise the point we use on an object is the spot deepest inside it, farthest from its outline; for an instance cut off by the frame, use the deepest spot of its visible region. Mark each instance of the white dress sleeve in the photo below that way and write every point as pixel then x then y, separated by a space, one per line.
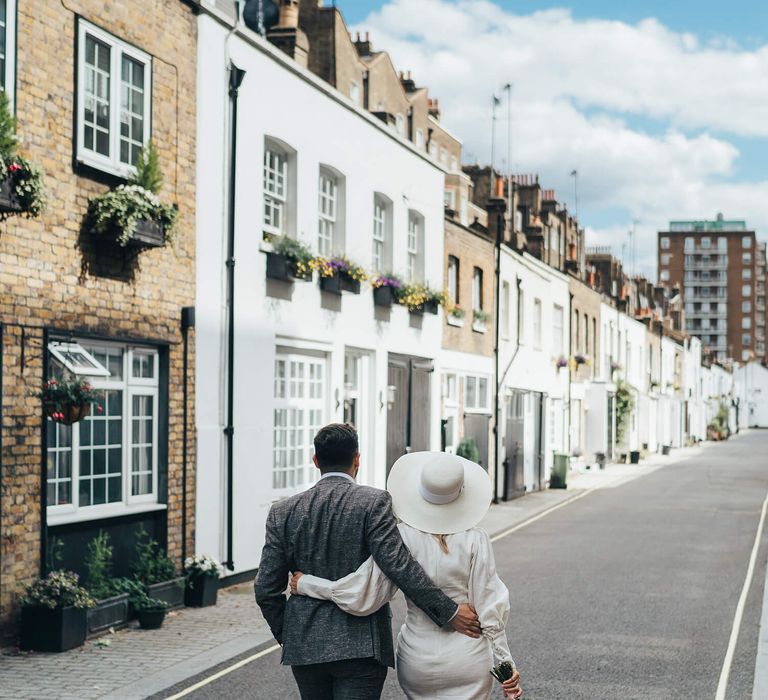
pixel 360 593
pixel 489 596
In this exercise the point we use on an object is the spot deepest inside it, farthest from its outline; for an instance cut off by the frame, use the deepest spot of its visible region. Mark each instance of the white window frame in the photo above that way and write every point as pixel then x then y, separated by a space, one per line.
pixel 419 138
pixel 327 212
pixel 400 124
pixel 454 265
pixel 746 242
pixel 9 76
pixel 380 212
pixel 118 49
pixel 63 352
pixel 664 243
pixel 130 387
pixel 477 289
pixel 451 388
pixel 303 473
pixel 354 92
pixel 537 313
pixel 275 174
pixel 558 321
pixel 505 301
pixel 477 406
pixel 414 253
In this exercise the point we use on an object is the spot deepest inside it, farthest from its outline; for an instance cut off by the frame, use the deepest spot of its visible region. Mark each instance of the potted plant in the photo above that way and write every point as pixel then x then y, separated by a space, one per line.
pixel 561 362
pixel 132 214
pixel 385 289
pixel 580 359
pixel 21 182
pixel 467 448
pixel 479 319
pixel 454 315
pixel 202 581
pixel 155 570
pixel 68 401
pixel 111 609
pixel 150 612
pixel 54 613
pixel 288 259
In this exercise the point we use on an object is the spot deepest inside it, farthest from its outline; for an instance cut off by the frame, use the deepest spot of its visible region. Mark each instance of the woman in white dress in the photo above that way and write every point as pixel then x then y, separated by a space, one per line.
pixel 439 499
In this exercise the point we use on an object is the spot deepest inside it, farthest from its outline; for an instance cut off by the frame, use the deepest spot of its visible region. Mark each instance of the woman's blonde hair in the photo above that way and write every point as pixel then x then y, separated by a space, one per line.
pixel 442 540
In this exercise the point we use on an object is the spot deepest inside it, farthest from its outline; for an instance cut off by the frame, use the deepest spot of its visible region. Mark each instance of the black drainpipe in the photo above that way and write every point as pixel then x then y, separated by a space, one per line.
pixel 43 470
pixel 187 322
pixel 236 76
pixel 499 235
pixel 410 123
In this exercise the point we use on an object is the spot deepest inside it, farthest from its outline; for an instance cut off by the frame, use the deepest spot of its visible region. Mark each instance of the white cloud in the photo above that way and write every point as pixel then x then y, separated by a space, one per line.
pixel 633 107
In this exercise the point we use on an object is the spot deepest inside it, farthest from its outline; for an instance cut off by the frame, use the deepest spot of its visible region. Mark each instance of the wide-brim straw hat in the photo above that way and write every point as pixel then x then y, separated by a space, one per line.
pixel 439 493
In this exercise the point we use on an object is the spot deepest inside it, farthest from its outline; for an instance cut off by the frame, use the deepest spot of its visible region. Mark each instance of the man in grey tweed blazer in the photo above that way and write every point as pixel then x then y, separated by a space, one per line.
pixel 329 530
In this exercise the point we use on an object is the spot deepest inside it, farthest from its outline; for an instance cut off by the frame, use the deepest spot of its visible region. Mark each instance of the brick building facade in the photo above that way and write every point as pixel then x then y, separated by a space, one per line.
pixel 714 264
pixel 95 81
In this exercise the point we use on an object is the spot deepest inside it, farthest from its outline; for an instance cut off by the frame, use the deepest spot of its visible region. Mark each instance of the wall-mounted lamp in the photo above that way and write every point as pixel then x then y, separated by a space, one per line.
pixel 391 389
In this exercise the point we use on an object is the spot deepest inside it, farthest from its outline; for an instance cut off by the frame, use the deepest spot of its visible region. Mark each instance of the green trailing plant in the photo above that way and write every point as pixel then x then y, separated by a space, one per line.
pixel 59 589
pixel 152 564
pixel 481 316
pixel 118 211
pixel 625 404
pixel 297 253
pixel 468 449
pixel 25 179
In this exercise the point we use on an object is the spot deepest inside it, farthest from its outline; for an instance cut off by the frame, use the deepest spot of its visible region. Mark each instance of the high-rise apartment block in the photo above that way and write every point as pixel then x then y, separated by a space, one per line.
pixel 720 268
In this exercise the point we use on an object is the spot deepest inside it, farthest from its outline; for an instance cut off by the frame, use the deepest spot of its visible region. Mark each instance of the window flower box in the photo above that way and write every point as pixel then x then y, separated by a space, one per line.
pixel 383 296
pixel 170 592
pixel 110 612
pixel 479 320
pixel 431 306
pixel 331 283
pixel 455 316
pixel 281 267
pixel 131 215
pixel 420 299
pixel 349 284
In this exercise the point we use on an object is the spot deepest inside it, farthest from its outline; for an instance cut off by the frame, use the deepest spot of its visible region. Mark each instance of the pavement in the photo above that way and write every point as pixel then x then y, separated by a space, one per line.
pixel 195 644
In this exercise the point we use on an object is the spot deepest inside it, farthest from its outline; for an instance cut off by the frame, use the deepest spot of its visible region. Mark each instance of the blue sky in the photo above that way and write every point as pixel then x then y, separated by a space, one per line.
pixel 661 106
pixel 746 21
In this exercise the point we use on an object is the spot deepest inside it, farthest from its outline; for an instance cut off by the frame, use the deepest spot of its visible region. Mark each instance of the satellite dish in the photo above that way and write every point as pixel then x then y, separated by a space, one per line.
pixel 270 14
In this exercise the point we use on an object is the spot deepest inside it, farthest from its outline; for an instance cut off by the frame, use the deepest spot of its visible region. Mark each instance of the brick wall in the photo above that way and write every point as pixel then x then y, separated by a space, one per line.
pixel 586 303
pixel 53 275
pixel 472 250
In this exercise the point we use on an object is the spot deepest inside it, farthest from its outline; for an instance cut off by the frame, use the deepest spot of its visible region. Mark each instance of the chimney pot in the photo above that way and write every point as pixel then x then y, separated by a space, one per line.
pixel 367 37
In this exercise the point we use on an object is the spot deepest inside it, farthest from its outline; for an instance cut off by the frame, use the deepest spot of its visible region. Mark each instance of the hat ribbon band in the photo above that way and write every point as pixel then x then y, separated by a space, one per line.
pixel 440 499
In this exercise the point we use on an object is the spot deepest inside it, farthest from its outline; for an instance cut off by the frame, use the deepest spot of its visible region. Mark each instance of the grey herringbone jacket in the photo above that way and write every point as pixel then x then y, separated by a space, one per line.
pixel 329 530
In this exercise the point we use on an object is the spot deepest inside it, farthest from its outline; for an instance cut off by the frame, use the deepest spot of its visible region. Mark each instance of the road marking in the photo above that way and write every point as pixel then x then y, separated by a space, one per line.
pixel 534 518
pixel 223 672
pixel 728 661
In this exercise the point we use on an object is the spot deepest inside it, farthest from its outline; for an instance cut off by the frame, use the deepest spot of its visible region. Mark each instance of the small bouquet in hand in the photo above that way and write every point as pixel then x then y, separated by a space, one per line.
pixel 504 671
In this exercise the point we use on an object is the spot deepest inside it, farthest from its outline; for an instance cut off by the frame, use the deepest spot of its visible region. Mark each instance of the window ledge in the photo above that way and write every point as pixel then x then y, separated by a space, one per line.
pixel 478 327
pixel 454 321
pixel 96 513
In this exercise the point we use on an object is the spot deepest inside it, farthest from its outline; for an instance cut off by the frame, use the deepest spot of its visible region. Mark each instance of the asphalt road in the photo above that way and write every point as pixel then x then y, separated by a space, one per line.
pixel 627 593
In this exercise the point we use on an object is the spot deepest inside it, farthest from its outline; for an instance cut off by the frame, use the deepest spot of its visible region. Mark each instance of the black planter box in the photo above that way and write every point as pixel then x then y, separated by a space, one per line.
pixel 331 284
pixel 350 285
pixel 666 449
pixel 8 200
pixel 201 591
pixel 60 629
pixel 634 457
pixel 110 612
pixel 151 619
pixel 147 234
pixel 430 307
pixel 172 592
pixel 279 267
pixel 383 296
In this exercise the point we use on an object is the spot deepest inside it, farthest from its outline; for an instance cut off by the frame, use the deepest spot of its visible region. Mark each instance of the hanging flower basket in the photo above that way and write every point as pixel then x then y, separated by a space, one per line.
pixel 68 402
pixel 21 188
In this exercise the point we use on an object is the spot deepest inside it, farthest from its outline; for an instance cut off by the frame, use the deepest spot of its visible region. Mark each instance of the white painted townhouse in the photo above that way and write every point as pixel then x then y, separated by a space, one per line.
pixel 751 390
pixel 308 164
pixel 534 331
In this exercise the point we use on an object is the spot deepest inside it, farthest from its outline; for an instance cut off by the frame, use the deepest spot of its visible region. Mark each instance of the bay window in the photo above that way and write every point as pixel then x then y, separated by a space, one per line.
pixel 114 100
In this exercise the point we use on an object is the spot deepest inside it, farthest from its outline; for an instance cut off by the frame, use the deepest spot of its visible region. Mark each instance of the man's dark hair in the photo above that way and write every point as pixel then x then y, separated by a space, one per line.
pixel 336 446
